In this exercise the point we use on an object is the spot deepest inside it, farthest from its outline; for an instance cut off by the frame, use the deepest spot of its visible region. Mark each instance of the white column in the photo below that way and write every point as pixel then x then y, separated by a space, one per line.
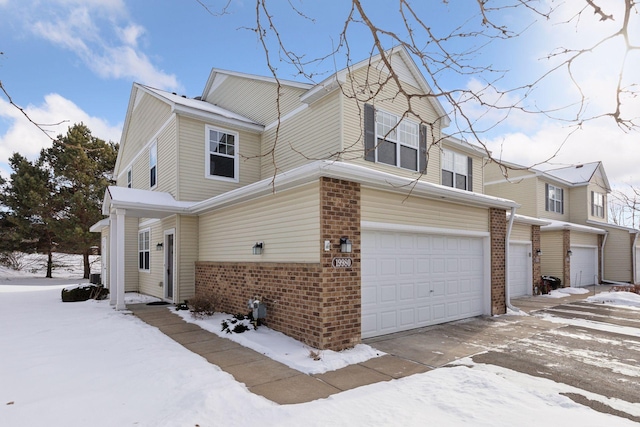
pixel 120 215
pixel 113 259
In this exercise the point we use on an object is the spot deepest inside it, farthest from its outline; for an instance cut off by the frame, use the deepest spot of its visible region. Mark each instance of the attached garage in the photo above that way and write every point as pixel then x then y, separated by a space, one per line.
pixel 519 269
pixel 411 279
pixel 584 265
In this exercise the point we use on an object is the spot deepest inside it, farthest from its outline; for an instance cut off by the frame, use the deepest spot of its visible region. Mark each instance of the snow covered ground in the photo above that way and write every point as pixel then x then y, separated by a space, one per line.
pixel 84 364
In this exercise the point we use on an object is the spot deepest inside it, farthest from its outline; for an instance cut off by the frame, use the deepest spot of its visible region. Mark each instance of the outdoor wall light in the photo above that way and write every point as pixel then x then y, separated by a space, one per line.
pixel 538 252
pixel 258 248
pixel 569 253
pixel 159 246
pixel 345 244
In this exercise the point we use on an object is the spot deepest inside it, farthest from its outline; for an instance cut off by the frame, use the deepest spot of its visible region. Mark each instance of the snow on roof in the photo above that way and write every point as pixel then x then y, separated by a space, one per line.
pixel 563 225
pixel 577 174
pixel 144 202
pixel 198 104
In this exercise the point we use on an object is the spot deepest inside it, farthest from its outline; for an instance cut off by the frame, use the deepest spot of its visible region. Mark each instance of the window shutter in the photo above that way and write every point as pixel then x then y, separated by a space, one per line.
pixel 423 155
pixel 469 174
pixel 369 133
pixel 561 201
pixel 546 197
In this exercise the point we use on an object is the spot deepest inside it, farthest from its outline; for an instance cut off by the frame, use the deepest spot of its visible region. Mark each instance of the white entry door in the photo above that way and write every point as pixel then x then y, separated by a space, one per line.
pixel 584 265
pixel 519 269
pixel 412 280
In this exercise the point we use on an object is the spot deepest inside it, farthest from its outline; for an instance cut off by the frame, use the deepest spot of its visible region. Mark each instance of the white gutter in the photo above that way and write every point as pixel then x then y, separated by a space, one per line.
pixel 634 258
pixel 507 294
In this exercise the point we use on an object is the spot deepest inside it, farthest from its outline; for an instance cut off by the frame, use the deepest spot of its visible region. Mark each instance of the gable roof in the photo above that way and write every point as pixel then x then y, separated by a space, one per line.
pixel 580 174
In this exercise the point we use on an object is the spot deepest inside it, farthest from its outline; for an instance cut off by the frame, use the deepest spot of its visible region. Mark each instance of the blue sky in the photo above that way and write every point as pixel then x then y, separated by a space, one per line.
pixel 76 60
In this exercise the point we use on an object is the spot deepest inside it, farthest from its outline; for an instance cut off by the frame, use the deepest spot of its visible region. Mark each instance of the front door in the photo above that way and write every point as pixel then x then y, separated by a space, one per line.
pixel 169 265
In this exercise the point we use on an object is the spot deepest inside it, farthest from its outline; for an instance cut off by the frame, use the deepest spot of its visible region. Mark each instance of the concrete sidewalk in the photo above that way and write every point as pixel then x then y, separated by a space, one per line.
pixel 264 376
pixel 408 353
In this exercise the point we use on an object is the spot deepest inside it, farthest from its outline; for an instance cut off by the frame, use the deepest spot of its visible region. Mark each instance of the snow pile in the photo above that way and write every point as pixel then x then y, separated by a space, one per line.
pixel 628 299
pixel 565 292
pixel 284 349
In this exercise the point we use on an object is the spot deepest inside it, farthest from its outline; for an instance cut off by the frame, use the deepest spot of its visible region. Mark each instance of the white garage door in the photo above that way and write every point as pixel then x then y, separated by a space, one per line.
pixel 584 265
pixel 637 266
pixel 411 280
pixel 519 270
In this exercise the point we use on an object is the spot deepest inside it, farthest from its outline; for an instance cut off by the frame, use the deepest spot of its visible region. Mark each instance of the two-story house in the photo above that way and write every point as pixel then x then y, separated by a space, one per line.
pixel 578 244
pixel 340 204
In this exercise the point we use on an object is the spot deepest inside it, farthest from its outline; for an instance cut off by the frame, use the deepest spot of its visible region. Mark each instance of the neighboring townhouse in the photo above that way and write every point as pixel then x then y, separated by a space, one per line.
pixel 578 245
pixel 347 217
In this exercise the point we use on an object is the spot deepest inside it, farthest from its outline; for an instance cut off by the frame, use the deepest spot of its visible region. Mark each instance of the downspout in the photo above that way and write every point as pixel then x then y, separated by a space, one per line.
pixel 604 242
pixel 634 259
pixel 507 294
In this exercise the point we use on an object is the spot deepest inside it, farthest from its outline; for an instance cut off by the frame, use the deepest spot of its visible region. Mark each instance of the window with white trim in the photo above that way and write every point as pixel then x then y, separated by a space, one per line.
pixel 397 141
pixel 455 170
pixel 144 253
pixel 554 199
pixel 222 154
pixel 153 165
pixel 597 204
pixel 129 178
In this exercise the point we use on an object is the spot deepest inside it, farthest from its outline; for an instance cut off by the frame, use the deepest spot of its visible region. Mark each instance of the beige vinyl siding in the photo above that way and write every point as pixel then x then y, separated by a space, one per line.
pixel 493 172
pixel 387 207
pixel 312 134
pixel 580 200
pixel 389 101
pixel 167 173
pixel 542 212
pixel 255 99
pixel 131 262
pixel 521 232
pixel 186 241
pixel 147 118
pixel 522 192
pixel 618 255
pixel 151 282
pixel 584 239
pixel 287 222
pixel 552 257
pixel 192 183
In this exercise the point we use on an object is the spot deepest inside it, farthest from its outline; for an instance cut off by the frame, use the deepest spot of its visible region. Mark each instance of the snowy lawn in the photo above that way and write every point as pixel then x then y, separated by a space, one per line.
pixel 84 364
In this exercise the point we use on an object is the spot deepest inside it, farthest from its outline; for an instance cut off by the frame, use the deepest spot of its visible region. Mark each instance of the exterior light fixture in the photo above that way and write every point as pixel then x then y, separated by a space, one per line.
pixel 258 248
pixel 159 246
pixel 345 244
pixel 538 252
pixel 569 253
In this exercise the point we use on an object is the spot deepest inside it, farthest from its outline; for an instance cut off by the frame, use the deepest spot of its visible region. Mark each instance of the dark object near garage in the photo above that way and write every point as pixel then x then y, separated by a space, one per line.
pixel 95 278
pixel 550 283
pixel 83 293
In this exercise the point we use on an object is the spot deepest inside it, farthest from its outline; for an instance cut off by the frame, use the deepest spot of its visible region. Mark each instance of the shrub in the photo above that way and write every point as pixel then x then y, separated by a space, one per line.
pixel 238 324
pixel 84 293
pixel 202 306
pixel 627 288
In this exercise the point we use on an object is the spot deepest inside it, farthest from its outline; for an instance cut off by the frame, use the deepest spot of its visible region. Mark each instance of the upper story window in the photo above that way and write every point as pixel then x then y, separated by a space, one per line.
pixel 597 204
pixel 554 199
pixel 129 178
pixel 456 170
pixel 394 141
pixel 153 165
pixel 222 154
pixel 144 252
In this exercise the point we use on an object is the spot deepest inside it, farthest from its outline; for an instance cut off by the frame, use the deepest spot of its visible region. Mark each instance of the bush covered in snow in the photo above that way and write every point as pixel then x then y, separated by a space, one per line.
pixel 83 293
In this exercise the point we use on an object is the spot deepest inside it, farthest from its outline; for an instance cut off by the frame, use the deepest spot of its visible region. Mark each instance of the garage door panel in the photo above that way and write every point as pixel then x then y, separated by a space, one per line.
pixel 519 270
pixel 416 280
pixel 584 265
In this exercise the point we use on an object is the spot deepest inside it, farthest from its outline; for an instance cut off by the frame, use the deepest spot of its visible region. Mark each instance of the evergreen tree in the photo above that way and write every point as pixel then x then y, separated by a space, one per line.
pixel 82 166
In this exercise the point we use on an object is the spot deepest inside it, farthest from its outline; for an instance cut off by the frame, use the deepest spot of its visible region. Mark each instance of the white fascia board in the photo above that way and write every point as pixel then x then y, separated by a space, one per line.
pixel 323 88
pixel 529 220
pixel 562 225
pixel 203 115
pixel 616 226
pixel 98 226
pixel 354 173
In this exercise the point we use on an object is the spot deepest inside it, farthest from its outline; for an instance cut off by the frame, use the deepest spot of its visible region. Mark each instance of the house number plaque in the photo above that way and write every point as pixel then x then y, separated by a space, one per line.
pixel 342 262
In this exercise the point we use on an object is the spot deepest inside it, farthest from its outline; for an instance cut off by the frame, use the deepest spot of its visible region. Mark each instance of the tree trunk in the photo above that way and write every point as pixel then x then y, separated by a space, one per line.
pixel 49 265
pixel 87 266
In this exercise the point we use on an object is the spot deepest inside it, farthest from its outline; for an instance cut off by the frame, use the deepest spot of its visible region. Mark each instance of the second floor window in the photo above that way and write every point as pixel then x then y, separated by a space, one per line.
pixel 456 170
pixel 129 179
pixel 397 141
pixel 554 199
pixel 597 204
pixel 144 253
pixel 222 154
pixel 153 165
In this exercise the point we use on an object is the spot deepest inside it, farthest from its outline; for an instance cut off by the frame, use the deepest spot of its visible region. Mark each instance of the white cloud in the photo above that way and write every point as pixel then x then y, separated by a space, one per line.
pixel 25 138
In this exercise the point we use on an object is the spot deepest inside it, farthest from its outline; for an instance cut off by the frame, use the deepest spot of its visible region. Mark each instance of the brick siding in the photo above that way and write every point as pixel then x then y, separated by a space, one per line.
pixel 535 270
pixel 566 260
pixel 498 228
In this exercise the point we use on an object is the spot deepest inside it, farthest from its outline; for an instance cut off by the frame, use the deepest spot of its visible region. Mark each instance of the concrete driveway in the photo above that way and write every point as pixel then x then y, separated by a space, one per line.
pixel 591 347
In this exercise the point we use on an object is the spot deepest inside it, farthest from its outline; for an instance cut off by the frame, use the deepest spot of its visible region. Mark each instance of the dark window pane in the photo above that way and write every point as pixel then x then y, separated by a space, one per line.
pixel 408 158
pixel 146 260
pixel 221 166
pixel 387 152
pixel 141 260
pixel 461 182
pixel 447 178
pixel 152 177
